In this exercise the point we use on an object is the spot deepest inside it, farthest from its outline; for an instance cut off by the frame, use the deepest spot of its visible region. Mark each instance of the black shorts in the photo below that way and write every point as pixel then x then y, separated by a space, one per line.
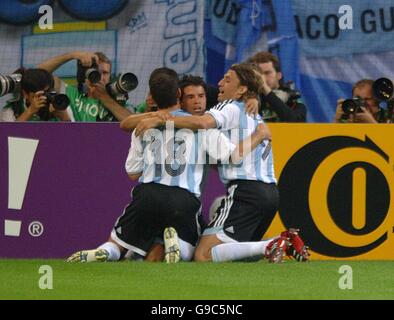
pixel 247 210
pixel 153 208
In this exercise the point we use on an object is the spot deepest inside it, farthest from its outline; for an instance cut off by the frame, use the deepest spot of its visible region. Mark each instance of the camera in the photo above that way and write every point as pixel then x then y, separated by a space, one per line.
pixel 293 93
pixel 354 105
pixel 59 101
pixel 383 89
pixel 119 88
pixel 287 93
pixel 91 73
pixel 11 84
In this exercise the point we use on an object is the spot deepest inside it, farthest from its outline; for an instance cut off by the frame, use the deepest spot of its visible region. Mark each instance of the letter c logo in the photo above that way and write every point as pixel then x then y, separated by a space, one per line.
pixel 335 190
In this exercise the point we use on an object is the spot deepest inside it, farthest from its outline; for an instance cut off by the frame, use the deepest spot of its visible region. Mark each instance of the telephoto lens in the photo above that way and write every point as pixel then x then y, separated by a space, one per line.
pixel 9 84
pixel 383 89
pixel 119 88
pixel 125 83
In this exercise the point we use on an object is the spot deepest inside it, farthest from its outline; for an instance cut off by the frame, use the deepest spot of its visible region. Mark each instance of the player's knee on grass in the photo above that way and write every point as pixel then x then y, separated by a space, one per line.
pixel 204 248
pixel 202 254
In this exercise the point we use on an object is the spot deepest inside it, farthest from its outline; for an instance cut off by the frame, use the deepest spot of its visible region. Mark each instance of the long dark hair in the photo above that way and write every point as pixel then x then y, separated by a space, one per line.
pixel 248 75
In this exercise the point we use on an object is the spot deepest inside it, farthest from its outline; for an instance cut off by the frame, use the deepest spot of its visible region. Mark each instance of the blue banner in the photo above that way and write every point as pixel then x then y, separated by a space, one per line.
pixel 340 45
pixel 362 27
pixel 237 29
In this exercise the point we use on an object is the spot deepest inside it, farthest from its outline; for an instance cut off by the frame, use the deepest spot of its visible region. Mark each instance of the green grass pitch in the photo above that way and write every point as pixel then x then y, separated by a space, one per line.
pixel 19 279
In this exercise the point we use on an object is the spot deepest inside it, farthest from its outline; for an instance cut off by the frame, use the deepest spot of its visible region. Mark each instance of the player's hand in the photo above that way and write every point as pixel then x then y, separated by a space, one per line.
pixel 39 101
pixel 147 124
pixel 252 106
pixel 163 115
pixel 86 58
pixel 263 131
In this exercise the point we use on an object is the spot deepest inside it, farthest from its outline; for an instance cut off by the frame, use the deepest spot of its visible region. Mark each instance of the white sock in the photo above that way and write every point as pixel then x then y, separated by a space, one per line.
pixel 186 250
pixel 113 250
pixel 238 250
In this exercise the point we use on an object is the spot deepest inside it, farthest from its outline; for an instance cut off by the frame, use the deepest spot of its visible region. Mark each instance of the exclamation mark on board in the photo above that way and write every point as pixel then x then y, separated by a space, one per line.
pixel 20 159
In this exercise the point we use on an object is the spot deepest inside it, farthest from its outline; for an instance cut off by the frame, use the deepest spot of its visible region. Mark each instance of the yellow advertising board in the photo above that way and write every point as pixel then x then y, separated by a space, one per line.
pixel 336 184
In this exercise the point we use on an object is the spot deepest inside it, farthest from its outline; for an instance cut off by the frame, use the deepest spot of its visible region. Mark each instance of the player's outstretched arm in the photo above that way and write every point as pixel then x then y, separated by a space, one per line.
pixel 131 122
pixel 205 121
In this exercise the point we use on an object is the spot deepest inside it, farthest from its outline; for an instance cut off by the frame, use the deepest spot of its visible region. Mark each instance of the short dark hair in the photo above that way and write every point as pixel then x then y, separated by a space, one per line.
pixel 249 76
pixel 34 80
pixel 265 57
pixel 164 70
pixel 103 58
pixel 189 80
pixel 362 83
pixel 163 86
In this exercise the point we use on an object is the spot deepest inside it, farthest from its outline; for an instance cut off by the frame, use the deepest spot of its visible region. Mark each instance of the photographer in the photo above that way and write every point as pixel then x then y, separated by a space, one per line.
pixel 366 108
pixel 33 102
pixel 94 104
pixel 279 102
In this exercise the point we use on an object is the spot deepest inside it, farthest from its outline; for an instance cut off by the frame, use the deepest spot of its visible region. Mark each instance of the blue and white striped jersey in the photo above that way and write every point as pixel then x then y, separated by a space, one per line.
pixel 176 157
pixel 230 116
